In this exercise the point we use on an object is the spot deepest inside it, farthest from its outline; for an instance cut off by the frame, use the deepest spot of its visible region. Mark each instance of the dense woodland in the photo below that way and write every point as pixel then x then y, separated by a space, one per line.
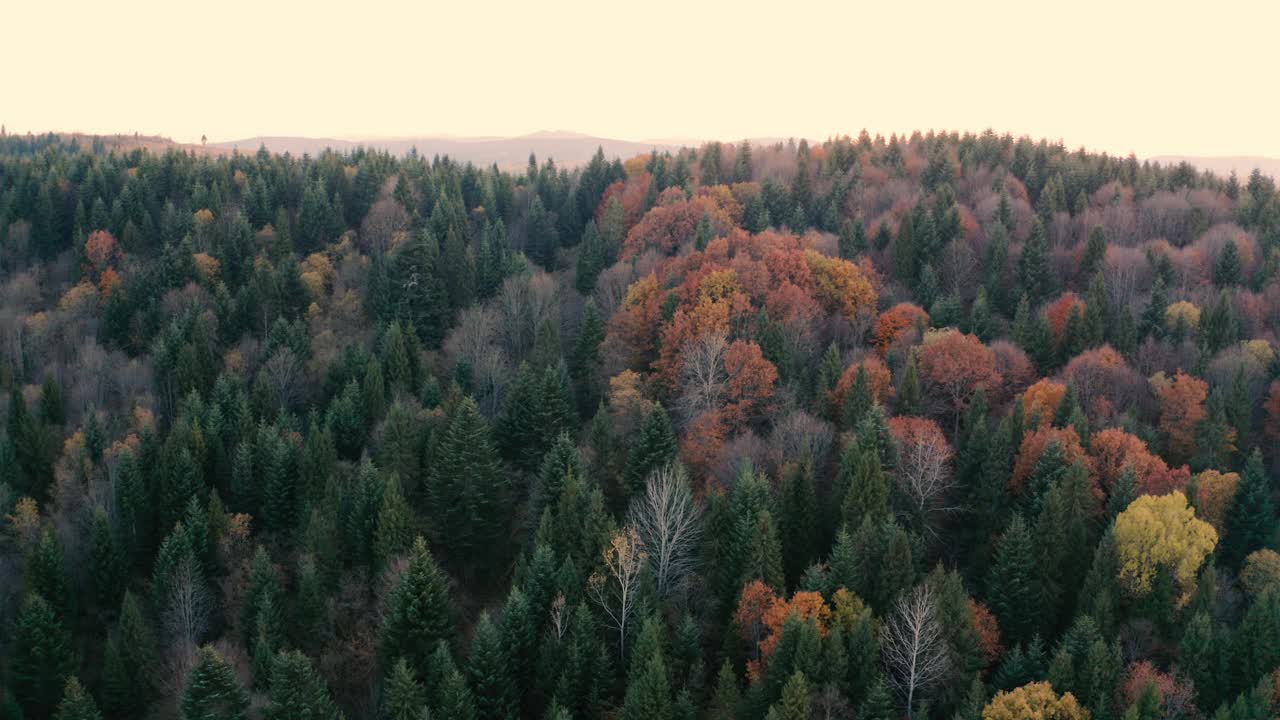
pixel 939 426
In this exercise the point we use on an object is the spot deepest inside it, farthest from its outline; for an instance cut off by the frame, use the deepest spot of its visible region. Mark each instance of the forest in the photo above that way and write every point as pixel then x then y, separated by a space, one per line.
pixel 929 427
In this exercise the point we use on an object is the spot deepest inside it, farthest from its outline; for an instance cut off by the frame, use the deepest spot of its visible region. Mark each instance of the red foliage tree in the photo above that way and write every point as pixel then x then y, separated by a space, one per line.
pixel 1059 311
pixel 1181 409
pixel 893 322
pixel 879 382
pixel 1112 450
pixel 987 630
pixel 1033 444
pixel 1041 400
pixel 954 366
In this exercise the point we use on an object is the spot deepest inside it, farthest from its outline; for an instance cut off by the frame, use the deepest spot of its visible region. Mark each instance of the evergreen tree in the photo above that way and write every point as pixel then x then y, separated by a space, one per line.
pixel 1095 251
pixel 298 691
pixel 1037 275
pixel 212 691
pixel 455 698
pixel 418 613
pixel 393 534
pixel 40 658
pixel 1251 518
pixel 404 698
pixel 1226 269
pixel 648 695
pixel 909 388
pixel 724 701
pixel 654 448
pixel 794 703
pixel 106 566
pixel 47 572
pixel 76 703
pixel 1012 585
pixel 469 491
pixel 490 673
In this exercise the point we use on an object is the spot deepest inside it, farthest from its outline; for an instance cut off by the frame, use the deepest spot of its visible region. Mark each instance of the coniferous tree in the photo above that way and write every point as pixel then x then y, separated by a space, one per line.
pixel 212 691
pixel 76 703
pixel 654 447
pixel 298 691
pixel 490 673
pixel 1037 276
pixel 1013 586
pixel 469 490
pixel 404 698
pixel 1251 518
pixel 418 613
pixel 393 534
pixel 41 657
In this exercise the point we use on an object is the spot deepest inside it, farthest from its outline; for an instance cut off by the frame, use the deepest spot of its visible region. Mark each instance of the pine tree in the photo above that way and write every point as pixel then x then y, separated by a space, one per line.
pixel 212 691
pixel 879 703
pixel 76 703
pixel 469 491
pixel 1012 586
pixel 763 554
pixel 106 566
pixel 47 572
pixel 1251 518
pixel 393 534
pixel 1198 657
pixel 455 698
pixel 298 691
pixel 404 698
pixel 794 703
pixel 655 447
pixel 1037 276
pixel 797 526
pixel 648 695
pixel 418 613
pixel 541 239
pixel 490 673
pixel 40 658
pixel 909 388
pixel 1226 269
pixel 1095 252
pixel 724 701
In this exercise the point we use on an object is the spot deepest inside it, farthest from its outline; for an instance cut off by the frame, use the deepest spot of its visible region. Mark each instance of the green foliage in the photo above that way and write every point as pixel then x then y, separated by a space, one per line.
pixel 212 691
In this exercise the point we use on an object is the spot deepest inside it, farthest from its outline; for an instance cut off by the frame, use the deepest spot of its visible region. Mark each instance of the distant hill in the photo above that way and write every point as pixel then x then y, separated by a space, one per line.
pixel 566 148
pixel 1223 165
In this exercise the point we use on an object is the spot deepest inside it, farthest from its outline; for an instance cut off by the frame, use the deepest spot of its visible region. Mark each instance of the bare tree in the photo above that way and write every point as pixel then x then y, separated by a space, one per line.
pixel 923 474
pixel 616 586
pixel 186 616
pixel 913 646
pixel 702 376
pixel 283 375
pixel 668 521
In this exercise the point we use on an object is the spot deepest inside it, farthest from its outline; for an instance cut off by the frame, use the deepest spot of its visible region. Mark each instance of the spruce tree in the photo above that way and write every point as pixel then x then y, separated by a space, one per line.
pixel 489 673
pixel 794 703
pixel 40 657
pixel 393 534
pixel 404 697
pixel 106 565
pixel 648 695
pixel 469 492
pixel 455 698
pixel 1251 522
pixel 909 388
pixel 418 613
pixel 654 448
pixel 1037 275
pixel 1012 584
pixel 212 691
pixel 76 703
pixel 1226 269
pixel 298 691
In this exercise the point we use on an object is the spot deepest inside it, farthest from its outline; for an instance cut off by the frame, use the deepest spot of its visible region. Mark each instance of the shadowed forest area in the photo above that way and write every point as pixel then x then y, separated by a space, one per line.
pixel 950 427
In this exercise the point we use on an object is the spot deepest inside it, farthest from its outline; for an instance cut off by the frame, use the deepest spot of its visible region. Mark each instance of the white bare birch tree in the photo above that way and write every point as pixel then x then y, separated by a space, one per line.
pixel 616 586
pixel 914 649
pixel 669 522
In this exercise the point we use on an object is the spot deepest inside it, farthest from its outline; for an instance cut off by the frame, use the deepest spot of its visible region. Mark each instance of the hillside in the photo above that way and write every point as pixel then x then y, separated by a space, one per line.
pixel 566 148
pixel 935 427
pixel 1224 165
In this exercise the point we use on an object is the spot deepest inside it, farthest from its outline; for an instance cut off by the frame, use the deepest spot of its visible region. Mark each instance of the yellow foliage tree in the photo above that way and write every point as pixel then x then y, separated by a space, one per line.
pixel 1261 571
pixel 1183 311
pixel 1034 701
pixel 1161 532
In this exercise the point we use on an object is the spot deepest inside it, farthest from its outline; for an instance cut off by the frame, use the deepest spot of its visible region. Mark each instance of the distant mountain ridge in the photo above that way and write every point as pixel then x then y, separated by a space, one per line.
pixel 566 148
pixel 1222 165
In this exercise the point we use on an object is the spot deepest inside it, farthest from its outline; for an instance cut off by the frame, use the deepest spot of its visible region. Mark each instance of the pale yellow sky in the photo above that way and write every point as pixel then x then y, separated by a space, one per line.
pixel 1150 77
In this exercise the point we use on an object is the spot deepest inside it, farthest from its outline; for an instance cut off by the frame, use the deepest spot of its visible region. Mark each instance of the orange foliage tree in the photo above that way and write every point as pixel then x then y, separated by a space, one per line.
pixel 954 366
pixel 987 630
pixel 635 325
pixel 894 321
pixel 101 251
pixel 841 285
pixel 1215 491
pixel 1041 400
pixel 879 382
pixel 668 227
pixel 1113 449
pixel 761 614
pixel 1059 311
pixel 1033 445
pixel 1181 409
pixel 751 382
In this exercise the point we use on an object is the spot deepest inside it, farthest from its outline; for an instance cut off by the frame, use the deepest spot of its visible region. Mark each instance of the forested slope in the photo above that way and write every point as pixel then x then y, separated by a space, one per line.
pixel 945 426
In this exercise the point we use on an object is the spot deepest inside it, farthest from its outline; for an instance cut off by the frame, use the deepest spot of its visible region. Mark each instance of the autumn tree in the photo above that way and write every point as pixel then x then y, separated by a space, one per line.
pixel 1181 401
pixel 914 647
pixel 1157 533
pixel 668 521
pixel 1034 701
